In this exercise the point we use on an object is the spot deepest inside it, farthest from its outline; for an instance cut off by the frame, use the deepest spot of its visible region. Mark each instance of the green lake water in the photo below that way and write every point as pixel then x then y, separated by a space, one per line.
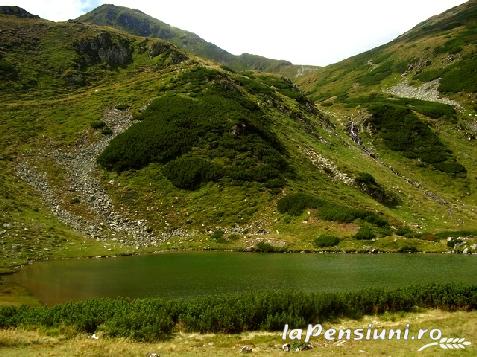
pixel 189 274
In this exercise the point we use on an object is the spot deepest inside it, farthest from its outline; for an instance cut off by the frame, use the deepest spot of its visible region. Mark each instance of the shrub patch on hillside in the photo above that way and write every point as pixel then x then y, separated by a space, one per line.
pixel 401 130
pixel 217 135
pixel 367 183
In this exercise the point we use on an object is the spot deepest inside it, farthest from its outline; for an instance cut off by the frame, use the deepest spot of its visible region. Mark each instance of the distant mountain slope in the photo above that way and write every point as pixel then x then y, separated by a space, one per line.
pixel 16 11
pixel 445 46
pixel 431 70
pixel 141 24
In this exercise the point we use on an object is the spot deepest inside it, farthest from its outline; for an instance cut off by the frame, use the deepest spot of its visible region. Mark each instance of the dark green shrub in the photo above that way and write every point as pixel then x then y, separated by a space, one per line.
pixel 218 236
pixel 220 126
pixel 140 325
pixel 368 184
pixel 404 231
pixel 98 124
pixel 344 214
pixel 455 234
pixel 408 249
pixel 451 243
pixel 338 213
pixel 375 219
pixel 402 131
pixel 153 319
pixel 326 240
pixel 7 70
pixel 295 203
pixel 365 233
pixel 264 247
pixel 107 130
pixel 189 173
pixel 122 106
pixel 429 75
pixel 461 76
pixel 432 110
pixel 234 236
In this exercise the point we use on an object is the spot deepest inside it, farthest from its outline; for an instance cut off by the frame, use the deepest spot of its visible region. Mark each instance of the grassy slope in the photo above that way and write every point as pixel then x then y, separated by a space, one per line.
pixel 138 23
pixel 437 45
pixel 43 106
pixel 444 45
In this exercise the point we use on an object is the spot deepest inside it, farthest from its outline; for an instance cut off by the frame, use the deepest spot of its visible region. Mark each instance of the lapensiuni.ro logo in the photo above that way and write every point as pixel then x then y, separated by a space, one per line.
pixel 373 333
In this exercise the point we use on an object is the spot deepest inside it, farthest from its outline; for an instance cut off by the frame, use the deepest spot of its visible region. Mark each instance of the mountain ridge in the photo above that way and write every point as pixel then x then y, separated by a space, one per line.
pixel 138 23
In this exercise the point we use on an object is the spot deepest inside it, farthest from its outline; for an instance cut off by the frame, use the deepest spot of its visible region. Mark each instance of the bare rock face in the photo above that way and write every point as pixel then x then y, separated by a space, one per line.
pixel 427 91
pixel 170 53
pixel 79 165
pixel 114 51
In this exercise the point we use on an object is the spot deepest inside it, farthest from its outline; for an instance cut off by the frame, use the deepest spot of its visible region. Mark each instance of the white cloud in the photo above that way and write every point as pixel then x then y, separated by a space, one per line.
pixel 302 31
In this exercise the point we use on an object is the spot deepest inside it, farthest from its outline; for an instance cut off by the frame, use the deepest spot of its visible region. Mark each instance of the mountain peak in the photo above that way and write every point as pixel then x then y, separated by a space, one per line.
pixel 16 11
pixel 138 23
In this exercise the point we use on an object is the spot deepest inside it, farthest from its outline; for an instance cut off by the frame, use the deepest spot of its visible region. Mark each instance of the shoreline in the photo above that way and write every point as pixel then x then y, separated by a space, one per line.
pixel 16 268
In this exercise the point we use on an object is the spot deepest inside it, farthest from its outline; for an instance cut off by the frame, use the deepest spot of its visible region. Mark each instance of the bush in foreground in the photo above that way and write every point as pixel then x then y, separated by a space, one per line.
pixel 153 319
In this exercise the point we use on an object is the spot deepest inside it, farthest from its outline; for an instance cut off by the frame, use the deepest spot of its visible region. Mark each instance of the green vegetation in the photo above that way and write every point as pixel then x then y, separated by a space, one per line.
pixel 218 236
pixel 404 231
pixel 61 342
pixel 138 23
pixel 449 21
pixel 189 172
pixel 49 58
pixel 455 234
pixel 408 249
pixel 155 319
pixel 458 77
pixel 326 240
pixel 461 77
pixel 368 184
pixel 343 214
pixel 441 47
pixel 383 70
pixel 219 135
pixel 216 147
pixel 295 203
pixel 264 247
pixel 402 131
pixel 365 232
pixel 432 110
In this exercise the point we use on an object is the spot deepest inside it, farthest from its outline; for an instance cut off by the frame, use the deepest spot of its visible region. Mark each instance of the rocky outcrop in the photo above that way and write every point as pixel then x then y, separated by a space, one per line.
pixel 171 53
pixel 427 91
pixel 17 11
pixel 327 166
pixel 79 166
pixel 114 51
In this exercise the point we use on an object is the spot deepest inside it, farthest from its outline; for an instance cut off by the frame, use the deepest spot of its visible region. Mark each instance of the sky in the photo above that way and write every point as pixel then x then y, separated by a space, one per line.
pixel 316 32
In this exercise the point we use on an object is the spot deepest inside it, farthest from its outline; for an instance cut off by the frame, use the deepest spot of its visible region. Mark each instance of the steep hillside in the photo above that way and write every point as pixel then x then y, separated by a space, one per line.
pixel 141 24
pixel 112 143
pixel 411 104
pixel 442 47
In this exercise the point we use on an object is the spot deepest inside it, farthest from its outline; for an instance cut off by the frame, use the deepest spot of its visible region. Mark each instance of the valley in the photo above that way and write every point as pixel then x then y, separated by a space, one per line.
pixel 125 139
